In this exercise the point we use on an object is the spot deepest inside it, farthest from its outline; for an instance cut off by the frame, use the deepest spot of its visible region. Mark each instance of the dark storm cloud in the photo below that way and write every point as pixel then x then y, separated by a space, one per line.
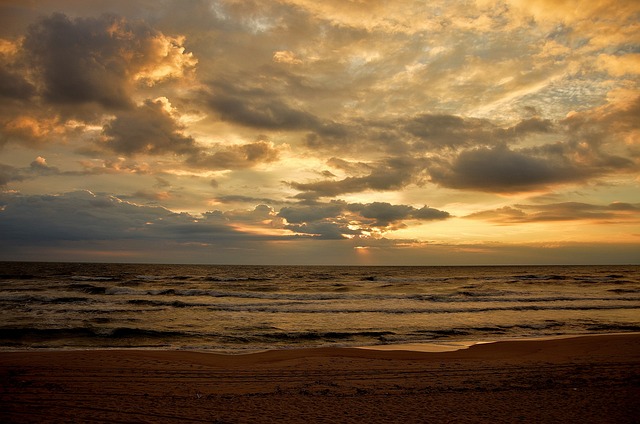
pixel 309 213
pixel 590 148
pixel 436 143
pixel 148 128
pixel 80 61
pixel 86 216
pixel 386 213
pixel 96 60
pixel 337 219
pixel 256 107
pixel 14 85
pixel 9 174
pixel 565 211
pixel 391 174
pixel 501 169
pixel 151 129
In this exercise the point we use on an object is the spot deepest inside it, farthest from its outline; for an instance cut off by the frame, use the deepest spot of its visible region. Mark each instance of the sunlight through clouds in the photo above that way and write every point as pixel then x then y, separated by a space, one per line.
pixel 364 127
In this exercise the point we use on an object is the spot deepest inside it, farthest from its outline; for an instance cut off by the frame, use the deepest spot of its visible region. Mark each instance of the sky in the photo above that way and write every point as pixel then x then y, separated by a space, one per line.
pixel 450 132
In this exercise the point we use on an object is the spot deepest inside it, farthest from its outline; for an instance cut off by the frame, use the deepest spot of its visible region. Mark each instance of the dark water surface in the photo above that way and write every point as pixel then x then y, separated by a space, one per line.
pixel 244 308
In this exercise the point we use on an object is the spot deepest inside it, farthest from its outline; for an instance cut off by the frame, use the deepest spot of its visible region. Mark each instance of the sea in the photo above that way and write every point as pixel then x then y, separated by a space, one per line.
pixel 241 309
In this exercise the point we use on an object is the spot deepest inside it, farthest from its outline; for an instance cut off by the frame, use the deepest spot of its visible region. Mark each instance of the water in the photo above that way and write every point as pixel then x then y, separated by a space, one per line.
pixel 244 308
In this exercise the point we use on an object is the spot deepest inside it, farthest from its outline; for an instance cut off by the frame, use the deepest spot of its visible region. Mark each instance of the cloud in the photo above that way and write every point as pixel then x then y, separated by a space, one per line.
pixel 32 130
pixel 390 174
pixel 565 211
pixel 238 198
pixel 339 219
pixel 352 168
pixel 258 107
pixel 438 131
pixel 374 15
pixel 260 215
pixel 153 196
pixel 450 131
pixel 37 168
pixel 236 156
pixel 590 149
pixel 98 60
pixel 422 133
pixel 13 83
pixel 573 11
pixel 409 99
pixel 119 165
pixel 440 145
pixel 310 213
pixel 9 174
pixel 148 128
pixel 323 230
pixel 40 167
pixel 532 125
pixel 286 56
pixel 606 124
pixel 501 169
pixel 617 66
pixel 384 213
pixel 84 216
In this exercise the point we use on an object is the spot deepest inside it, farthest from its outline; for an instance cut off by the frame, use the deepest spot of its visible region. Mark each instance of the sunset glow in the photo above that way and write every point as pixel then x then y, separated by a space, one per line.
pixel 332 132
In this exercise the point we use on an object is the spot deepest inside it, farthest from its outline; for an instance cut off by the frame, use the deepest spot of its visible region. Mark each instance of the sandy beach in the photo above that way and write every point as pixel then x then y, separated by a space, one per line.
pixel 593 379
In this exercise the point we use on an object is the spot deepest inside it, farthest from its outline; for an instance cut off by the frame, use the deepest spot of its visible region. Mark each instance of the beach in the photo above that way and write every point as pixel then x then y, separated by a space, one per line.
pixel 590 379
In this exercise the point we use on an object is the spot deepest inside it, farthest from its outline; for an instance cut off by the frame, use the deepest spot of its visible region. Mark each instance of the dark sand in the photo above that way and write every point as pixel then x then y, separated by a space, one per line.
pixel 592 379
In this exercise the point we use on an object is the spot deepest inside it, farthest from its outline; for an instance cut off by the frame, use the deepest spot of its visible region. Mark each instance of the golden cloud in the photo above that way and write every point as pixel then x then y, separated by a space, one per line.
pixel 285 56
pixel 619 66
pixel 166 58
pixel 30 128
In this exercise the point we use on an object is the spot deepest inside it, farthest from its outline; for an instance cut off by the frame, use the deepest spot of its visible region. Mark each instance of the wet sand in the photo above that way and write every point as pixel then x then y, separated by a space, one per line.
pixel 593 379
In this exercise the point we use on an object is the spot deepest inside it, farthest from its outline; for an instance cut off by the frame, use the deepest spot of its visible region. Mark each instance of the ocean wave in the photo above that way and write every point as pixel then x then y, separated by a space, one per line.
pixel 173 304
pixel 461 301
pixel 34 333
pixel 88 288
pixel 625 291
pixel 610 328
pixel 91 278
pixel 104 305
pixel 268 308
pixel 340 294
pixel 322 335
pixel 17 277
pixel 30 299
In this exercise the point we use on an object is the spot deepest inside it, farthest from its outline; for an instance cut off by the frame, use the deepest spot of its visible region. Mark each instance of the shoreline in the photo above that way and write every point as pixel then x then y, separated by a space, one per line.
pixel 455 345
pixel 587 379
pixel 434 346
